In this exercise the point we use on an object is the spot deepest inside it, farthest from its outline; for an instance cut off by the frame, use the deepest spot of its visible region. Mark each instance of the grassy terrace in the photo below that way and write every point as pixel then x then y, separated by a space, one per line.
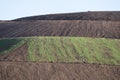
pixel 71 49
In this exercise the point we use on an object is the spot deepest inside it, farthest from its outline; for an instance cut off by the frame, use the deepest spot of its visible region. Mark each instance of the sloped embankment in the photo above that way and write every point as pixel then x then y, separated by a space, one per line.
pixel 16 54
pixel 105 29
pixel 57 71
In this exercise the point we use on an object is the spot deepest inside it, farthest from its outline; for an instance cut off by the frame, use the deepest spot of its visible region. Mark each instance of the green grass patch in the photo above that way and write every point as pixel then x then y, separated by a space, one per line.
pixel 74 49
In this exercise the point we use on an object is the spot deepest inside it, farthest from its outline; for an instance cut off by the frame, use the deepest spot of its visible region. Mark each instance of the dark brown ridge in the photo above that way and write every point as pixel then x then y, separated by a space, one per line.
pixel 90 15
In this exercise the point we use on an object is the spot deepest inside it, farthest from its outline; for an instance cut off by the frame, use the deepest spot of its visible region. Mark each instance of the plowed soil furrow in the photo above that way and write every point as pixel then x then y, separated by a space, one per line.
pixel 106 29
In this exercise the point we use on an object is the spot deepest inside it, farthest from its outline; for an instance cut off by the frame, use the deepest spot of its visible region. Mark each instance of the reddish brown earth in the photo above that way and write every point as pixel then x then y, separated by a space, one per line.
pixel 57 71
pixel 90 15
pixel 19 54
pixel 84 28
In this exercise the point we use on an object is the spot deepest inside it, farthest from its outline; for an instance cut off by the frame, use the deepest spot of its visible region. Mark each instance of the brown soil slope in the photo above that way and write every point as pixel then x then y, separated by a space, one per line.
pixel 19 54
pixel 57 71
pixel 100 15
pixel 85 28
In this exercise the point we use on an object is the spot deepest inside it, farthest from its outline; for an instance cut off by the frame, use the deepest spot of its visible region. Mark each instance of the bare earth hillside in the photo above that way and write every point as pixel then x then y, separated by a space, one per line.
pixel 81 28
pixel 19 54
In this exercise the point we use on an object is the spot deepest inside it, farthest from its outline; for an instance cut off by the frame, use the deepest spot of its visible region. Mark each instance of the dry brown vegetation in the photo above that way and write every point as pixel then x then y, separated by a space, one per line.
pixel 84 28
pixel 57 71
